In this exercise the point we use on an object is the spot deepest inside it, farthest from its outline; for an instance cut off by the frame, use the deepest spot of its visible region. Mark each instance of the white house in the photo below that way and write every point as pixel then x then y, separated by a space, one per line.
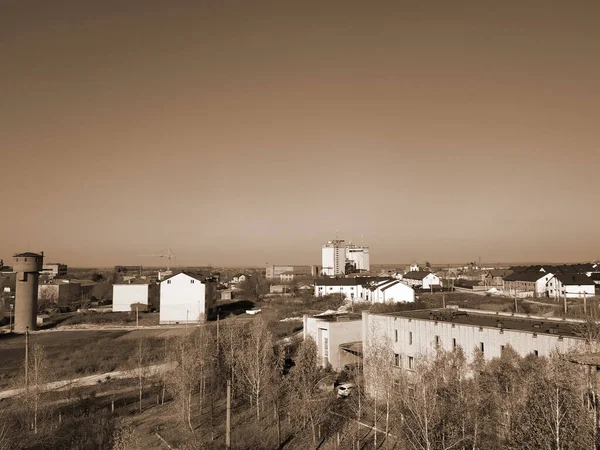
pixel 392 291
pixel 135 292
pixel 422 279
pixel 571 286
pixel 186 298
pixel 527 284
pixel 239 278
pixel 350 288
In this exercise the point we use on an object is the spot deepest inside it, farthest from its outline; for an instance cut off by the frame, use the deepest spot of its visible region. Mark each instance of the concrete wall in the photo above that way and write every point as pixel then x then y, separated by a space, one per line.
pixel 183 299
pixel 125 295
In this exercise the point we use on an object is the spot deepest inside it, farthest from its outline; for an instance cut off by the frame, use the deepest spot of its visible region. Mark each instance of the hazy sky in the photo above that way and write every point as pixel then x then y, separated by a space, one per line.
pixel 240 132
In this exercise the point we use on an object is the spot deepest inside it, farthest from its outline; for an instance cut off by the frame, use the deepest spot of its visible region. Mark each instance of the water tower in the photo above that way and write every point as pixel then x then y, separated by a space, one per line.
pixel 27 266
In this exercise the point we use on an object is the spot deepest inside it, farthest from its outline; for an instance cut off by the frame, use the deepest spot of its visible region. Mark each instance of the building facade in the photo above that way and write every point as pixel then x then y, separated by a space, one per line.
pixel 54 270
pixel 359 257
pixel 137 293
pixel 571 286
pixel 186 298
pixel 416 334
pixel 330 332
pixel 333 258
pixel 527 284
pixel 421 279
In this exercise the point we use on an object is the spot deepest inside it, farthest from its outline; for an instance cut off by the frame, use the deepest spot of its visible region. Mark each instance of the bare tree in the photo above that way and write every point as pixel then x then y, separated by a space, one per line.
pixel 306 377
pixel 140 361
pixel 256 360
pixel 38 376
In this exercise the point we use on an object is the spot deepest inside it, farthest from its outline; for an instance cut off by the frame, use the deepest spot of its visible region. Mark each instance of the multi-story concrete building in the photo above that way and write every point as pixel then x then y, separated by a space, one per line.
pixel 330 332
pixel 416 334
pixel 359 257
pixel 333 258
pixel 186 298
pixel 54 270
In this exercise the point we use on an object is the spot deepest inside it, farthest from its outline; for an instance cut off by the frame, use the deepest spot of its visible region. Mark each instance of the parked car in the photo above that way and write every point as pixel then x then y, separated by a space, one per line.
pixel 344 390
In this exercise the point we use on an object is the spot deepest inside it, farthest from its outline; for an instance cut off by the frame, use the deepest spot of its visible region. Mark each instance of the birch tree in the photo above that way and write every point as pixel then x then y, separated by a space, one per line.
pixel 255 361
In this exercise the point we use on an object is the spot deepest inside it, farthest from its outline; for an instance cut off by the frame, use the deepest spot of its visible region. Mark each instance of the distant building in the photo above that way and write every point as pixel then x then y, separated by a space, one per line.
pixel 279 289
pixel 333 258
pixel 138 292
pixel 527 284
pixel 571 286
pixel 391 291
pixel 330 332
pixel 226 294
pixel 286 274
pixel 356 288
pixel 238 278
pixel 186 298
pixel 61 292
pixel 495 277
pixel 54 270
pixel 421 279
pixel 359 256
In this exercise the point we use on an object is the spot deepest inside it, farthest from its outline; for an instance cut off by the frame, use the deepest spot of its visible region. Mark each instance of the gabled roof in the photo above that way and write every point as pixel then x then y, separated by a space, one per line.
pixel 574 279
pixel 416 274
pixel 525 276
pixel 195 276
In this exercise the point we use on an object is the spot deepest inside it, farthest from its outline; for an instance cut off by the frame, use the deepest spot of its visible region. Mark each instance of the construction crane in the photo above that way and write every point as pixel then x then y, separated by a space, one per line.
pixel 169 256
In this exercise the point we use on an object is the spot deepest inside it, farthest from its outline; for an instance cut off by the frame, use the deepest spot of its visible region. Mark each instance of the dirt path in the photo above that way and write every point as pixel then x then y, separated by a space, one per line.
pixel 88 380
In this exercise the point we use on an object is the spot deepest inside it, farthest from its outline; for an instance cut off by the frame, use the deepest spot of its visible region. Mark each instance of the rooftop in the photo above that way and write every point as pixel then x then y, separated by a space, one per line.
pixel 416 274
pixel 574 279
pixel 355 281
pixel 506 321
pixel 28 254
pixel 343 317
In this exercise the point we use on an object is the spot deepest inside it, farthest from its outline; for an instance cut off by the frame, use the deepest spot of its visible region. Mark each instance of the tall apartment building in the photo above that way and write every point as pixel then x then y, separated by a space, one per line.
pixel 333 258
pixel 358 256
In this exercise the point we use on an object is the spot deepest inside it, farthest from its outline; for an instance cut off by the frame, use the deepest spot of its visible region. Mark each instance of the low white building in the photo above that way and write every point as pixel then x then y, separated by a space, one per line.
pixel 355 288
pixel 135 292
pixel 330 332
pixel 527 284
pixel 421 279
pixel 571 286
pixel 415 334
pixel 186 298
pixel 392 291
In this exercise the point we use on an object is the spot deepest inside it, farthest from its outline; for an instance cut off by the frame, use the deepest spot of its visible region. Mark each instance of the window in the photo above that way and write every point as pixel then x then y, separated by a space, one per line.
pixel 481 347
pixel 535 353
pixel 502 349
pixel 395 335
pixel 396 360
pixel 410 338
pixel 192 281
pixel 168 281
pixel 453 343
pixel 437 341
pixel 411 362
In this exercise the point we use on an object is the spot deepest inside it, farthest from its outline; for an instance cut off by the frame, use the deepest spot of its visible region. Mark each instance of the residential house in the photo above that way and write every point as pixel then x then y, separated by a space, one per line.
pixel 391 291
pixel 571 286
pixel 187 298
pixel 421 279
pixel 355 288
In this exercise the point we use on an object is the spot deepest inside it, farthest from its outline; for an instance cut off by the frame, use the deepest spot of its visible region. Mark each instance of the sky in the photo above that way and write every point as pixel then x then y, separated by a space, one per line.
pixel 244 132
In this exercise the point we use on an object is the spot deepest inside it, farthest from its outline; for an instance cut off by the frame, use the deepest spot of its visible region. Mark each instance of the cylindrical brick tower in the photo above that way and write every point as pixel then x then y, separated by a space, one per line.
pixel 27 266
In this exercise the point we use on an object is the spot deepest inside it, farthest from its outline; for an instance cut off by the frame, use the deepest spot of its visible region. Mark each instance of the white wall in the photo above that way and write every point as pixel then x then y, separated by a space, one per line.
pixel 398 292
pixel 468 337
pixel 125 295
pixel 349 292
pixel 430 280
pixel 558 290
pixel 182 300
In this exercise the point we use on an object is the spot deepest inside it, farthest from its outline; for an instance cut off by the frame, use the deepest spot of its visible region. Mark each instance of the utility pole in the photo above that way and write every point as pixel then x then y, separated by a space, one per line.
pixel 443 299
pixel 565 300
pixel 228 418
pixel 218 347
pixel 584 302
pixel 27 360
pixel 137 315
pixel 10 318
